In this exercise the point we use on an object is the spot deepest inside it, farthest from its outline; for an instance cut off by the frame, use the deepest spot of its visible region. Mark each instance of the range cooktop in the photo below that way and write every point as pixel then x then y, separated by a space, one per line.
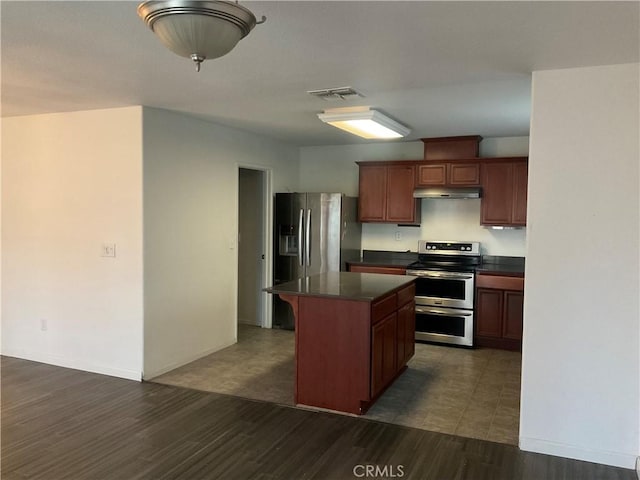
pixel 447 256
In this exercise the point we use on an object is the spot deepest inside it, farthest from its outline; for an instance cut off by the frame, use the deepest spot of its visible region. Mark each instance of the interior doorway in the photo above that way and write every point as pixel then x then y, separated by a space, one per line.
pixel 253 246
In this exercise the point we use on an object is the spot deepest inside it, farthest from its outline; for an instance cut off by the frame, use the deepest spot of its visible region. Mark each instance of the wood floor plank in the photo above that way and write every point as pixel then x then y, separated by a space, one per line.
pixel 65 424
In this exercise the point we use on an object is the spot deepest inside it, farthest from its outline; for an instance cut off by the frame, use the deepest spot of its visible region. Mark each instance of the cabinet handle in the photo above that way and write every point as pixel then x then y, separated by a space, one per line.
pixel 456 313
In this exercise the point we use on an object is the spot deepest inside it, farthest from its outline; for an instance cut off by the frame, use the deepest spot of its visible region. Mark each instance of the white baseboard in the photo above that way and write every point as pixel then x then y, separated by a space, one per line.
pixel 74 363
pixel 615 459
pixel 183 361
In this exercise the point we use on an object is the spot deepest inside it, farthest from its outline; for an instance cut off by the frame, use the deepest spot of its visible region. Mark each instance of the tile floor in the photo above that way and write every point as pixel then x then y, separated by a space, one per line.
pixel 470 393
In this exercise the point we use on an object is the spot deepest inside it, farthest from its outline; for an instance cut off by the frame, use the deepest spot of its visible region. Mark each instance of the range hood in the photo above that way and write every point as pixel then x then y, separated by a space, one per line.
pixel 443 192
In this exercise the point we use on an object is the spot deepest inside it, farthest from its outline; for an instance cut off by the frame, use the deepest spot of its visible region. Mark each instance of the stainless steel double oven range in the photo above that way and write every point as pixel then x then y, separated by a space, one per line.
pixel 445 290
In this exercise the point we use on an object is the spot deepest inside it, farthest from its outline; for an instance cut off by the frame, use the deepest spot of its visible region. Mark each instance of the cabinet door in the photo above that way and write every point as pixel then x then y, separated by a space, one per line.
pixel 390 343
pixel 372 197
pixel 512 316
pixel 401 206
pixel 406 333
pixel 489 312
pixel 377 358
pixel 497 194
pixel 464 174
pixel 432 175
pixel 383 353
pixel 520 181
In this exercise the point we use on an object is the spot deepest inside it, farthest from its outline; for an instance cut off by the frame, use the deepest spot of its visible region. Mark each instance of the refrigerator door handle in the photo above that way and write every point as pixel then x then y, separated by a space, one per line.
pixel 300 228
pixel 307 240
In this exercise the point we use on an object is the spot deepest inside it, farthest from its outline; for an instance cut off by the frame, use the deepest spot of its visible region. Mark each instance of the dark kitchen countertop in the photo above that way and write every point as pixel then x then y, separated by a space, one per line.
pixel 381 258
pixel 346 285
pixel 496 265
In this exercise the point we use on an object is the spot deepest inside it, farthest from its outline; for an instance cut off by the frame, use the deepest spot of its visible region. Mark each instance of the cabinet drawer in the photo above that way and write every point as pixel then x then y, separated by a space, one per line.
pixel 383 307
pixel 406 294
pixel 372 269
pixel 500 282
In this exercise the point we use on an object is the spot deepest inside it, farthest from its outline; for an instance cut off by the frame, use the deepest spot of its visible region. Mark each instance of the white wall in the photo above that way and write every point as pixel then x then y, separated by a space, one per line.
pixel 581 364
pixel 190 229
pixel 334 169
pixel 70 182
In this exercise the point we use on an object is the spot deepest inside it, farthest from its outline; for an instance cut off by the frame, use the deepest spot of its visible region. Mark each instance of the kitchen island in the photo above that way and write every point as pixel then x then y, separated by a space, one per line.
pixel 354 333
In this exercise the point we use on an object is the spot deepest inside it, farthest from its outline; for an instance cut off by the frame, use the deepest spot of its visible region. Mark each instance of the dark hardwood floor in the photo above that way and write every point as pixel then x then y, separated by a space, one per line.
pixel 59 423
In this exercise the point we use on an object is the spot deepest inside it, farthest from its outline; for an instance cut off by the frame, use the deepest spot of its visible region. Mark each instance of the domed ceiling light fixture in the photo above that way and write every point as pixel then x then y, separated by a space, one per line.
pixel 199 30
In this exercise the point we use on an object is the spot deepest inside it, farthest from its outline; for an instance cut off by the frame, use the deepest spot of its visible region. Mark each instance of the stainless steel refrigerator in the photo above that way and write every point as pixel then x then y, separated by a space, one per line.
pixel 314 233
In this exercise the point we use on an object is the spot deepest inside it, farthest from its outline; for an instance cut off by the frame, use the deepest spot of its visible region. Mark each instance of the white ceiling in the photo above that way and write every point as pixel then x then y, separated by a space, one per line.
pixel 442 68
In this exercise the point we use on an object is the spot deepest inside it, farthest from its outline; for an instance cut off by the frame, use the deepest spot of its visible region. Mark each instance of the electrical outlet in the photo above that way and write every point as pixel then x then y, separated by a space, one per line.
pixel 108 250
pixel 398 236
pixel 43 324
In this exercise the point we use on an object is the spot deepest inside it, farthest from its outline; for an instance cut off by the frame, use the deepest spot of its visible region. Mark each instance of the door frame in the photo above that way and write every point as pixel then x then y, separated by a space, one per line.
pixel 265 299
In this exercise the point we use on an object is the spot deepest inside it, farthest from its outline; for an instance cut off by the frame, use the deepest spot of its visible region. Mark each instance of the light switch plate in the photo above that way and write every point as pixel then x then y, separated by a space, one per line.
pixel 108 250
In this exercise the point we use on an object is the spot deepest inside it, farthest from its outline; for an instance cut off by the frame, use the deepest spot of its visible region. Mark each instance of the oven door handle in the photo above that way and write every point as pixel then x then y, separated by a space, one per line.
pixel 417 273
pixel 454 313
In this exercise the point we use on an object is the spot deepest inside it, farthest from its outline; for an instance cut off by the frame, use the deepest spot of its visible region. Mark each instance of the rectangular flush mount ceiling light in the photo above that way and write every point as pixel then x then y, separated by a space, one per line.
pixel 365 123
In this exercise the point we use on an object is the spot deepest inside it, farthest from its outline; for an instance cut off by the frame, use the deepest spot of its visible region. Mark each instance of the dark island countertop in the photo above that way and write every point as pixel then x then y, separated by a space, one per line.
pixel 345 285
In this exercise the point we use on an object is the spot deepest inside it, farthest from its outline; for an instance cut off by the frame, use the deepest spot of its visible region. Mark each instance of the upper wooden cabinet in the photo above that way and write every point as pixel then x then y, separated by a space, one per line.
pixel 447 148
pixel 372 200
pixel 449 174
pixel 386 193
pixel 504 192
pixel 520 181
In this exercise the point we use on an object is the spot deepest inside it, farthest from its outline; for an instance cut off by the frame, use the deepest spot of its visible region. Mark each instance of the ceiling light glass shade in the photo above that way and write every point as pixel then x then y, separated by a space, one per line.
pixel 368 124
pixel 198 30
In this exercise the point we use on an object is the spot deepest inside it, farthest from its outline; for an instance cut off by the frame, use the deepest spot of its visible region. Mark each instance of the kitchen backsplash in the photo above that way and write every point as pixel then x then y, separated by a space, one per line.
pixel 446 219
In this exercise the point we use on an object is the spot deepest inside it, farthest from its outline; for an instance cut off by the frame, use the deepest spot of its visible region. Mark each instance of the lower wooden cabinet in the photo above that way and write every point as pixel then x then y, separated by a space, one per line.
pixel 499 306
pixel 384 340
pixel 489 312
pixel 406 332
pixel 392 340
pixel 513 309
pixel 373 269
